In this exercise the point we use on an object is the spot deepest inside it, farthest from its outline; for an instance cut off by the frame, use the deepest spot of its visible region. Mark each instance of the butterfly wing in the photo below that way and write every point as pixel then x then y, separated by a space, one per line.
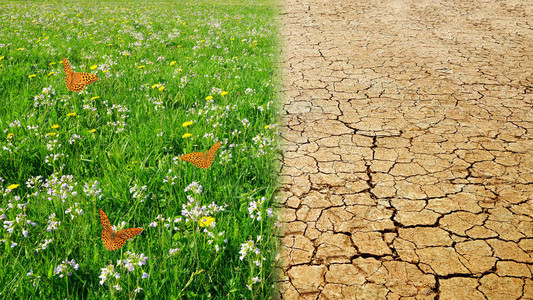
pixel 76 82
pixel 110 241
pixel 66 66
pixel 196 158
pixel 88 78
pixel 108 233
pixel 202 160
pixel 127 234
pixel 68 73
pixel 114 240
pixel 211 154
pixel 115 243
pixel 105 221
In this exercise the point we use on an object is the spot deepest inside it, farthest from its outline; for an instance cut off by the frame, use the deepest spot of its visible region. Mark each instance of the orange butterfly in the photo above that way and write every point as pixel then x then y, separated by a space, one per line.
pixel 113 240
pixel 76 81
pixel 200 159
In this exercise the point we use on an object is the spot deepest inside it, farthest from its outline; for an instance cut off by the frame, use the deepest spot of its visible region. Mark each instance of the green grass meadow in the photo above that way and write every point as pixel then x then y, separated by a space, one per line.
pixel 174 77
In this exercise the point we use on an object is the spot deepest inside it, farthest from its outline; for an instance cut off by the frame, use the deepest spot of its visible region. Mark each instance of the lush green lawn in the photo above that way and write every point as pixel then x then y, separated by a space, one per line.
pixel 116 146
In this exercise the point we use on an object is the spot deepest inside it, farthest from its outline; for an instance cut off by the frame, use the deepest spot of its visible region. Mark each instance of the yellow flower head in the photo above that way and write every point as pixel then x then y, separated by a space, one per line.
pixel 13 186
pixel 186 135
pixel 51 73
pixel 55 126
pixel 267 127
pixel 208 97
pixel 161 88
pixel 32 75
pixel 155 85
pixel 172 62
pixel 92 130
pixel 224 93
pixel 72 114
pixel 10 135
pixel 206 221
pixel 93 67
pixel 95 97
pixel 52 63
pixel 140 67
pixel 2 57
pixel 51 133
pixel 188 123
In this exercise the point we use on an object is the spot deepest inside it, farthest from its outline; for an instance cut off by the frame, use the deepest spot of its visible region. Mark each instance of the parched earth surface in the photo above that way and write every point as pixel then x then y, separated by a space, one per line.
pixel 408 150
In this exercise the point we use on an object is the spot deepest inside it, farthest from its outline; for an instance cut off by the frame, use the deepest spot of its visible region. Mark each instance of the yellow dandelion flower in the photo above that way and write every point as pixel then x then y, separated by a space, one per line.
pixel 267 127
pixel 72 114
pixel 186 135
pixel 179 70
pixel 13 186
pixel 224 93
pixel 93 67
pixel 51 73
pixel 51 133
pixel 155 85
pixel 32 75
pixel 140 67
pixel 208 97
pixel 172 62
pixel 206 221
pixel 232 39
pixel 188 123
pixel 55 126
pixel 95 97
pixel 2 57
pixel 161 88
pixel 92 130
pixel 10 135
pixel 20 49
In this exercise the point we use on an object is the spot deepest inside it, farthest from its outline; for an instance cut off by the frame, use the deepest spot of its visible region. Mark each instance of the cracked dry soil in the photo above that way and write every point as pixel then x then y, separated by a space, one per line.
pixel 408 150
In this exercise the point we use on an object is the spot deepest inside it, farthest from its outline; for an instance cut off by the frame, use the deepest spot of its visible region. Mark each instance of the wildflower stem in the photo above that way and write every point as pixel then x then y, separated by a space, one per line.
pixel 190 281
